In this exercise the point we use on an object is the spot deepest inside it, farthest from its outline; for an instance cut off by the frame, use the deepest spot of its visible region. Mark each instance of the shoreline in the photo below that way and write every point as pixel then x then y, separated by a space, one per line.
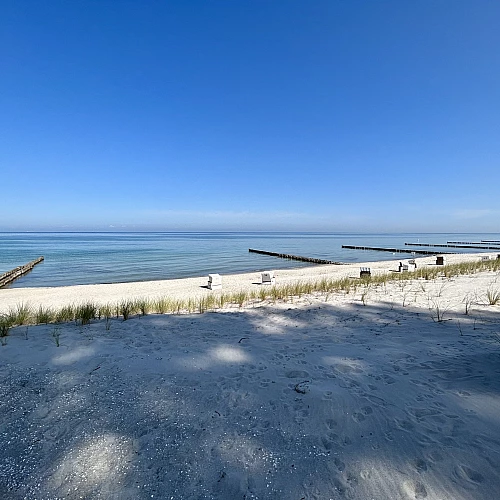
pixel 185 288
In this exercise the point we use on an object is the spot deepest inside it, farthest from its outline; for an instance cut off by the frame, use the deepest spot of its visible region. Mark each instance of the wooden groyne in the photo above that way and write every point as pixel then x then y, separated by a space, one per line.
pixel 294 257
pixel 393 250
pixel 490 241
pixel 10 276
pixel 470 242
pixel 448 245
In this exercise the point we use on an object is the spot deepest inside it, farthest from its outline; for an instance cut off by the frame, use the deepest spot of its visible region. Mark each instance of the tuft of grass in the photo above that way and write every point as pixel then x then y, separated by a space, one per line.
pixel 437 309
pixel 178 306
pixel 263 295
pixel 161 305
pixel 202 305
pixel 144 306
pixel 241 297
pixel 44 315
pixel 126 308
pixel 56 334
pixel 364 295
pixel 86 313
pixel 222 299
pixel 469 300
pixel 106 311
pixel 493 296
pixel 65 314
pixel 22 314
pixel 6 323
pixel 345 284
pixel 275 293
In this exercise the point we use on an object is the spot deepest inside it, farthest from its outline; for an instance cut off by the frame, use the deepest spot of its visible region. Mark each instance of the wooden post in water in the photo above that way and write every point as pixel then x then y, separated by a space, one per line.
pixel 294 257
pixel 448 245
pixel 10 276
pixel 393 250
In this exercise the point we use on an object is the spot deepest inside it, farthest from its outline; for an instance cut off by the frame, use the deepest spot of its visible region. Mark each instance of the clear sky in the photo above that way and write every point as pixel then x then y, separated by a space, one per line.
pixel 334 115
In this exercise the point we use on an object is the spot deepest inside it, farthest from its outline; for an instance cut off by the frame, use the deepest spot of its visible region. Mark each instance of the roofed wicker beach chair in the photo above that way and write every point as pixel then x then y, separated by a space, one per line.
pixel 364 271
pixel 214 281
pixel 268 278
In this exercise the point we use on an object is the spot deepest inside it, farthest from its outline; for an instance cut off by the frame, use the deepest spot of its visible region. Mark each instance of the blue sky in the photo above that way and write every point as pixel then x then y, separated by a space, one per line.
pixel 335 115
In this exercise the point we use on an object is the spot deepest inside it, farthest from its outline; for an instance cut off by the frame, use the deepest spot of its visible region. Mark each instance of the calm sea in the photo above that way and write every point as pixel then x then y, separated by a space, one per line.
pixel 87 258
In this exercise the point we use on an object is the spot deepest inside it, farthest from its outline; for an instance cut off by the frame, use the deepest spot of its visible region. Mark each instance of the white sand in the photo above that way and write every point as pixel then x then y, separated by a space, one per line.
pixel 315 399
pixel 56 297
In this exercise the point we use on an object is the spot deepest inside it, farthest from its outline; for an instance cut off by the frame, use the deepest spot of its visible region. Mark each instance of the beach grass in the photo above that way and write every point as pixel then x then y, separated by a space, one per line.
pixel 6 323
pixel 24 314
pixel 44 315
pixel 86 312
pixel 493 296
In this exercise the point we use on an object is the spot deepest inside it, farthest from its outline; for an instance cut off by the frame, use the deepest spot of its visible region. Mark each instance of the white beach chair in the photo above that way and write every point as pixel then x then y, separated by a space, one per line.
pixel 268 278
pixel 214 281
pixel 485 257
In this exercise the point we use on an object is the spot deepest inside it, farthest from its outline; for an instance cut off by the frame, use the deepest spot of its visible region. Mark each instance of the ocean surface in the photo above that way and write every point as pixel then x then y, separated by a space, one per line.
pixel 88 258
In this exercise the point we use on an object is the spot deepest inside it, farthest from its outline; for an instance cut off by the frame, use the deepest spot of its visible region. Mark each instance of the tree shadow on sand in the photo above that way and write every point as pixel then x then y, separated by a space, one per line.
pixel 316 401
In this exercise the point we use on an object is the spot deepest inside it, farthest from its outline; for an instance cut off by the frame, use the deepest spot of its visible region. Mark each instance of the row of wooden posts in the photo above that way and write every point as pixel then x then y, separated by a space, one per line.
pixel 10 276
pixel 294 257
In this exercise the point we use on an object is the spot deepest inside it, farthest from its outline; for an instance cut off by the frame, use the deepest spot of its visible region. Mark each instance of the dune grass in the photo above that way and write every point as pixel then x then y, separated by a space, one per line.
pixel 493 296
pixel 85 313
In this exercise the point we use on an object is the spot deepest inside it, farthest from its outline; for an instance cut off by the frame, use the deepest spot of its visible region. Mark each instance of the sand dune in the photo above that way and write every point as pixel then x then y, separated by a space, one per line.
pixel 323 397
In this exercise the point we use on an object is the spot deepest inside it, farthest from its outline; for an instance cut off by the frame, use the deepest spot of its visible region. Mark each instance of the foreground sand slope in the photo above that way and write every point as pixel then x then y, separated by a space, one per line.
pixel 313 399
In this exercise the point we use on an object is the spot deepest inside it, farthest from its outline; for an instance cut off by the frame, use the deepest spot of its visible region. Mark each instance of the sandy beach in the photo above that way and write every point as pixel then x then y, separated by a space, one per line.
pixel 391 392
pixel 57 297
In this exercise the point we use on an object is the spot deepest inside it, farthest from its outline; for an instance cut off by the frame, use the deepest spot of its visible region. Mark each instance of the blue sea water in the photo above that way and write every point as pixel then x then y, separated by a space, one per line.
pixel 87 258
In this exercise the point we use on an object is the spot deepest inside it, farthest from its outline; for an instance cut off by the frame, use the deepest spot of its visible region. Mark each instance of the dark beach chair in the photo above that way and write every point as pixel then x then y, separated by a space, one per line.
pixel 364 271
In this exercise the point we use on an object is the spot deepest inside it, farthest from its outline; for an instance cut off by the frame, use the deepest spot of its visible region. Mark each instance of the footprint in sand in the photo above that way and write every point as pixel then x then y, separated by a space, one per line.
pixel 420 465
pixel 358 417
pixel 367 410
pixel 349 384
pixel 435 456
pixel 419 490
pixel 405 425
pixel 339 464
pixel 330 423
pixel 467 474
pixel 340 486
pixel 347 441
pixel 377 401
pixel 296 374
pixel 328 442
